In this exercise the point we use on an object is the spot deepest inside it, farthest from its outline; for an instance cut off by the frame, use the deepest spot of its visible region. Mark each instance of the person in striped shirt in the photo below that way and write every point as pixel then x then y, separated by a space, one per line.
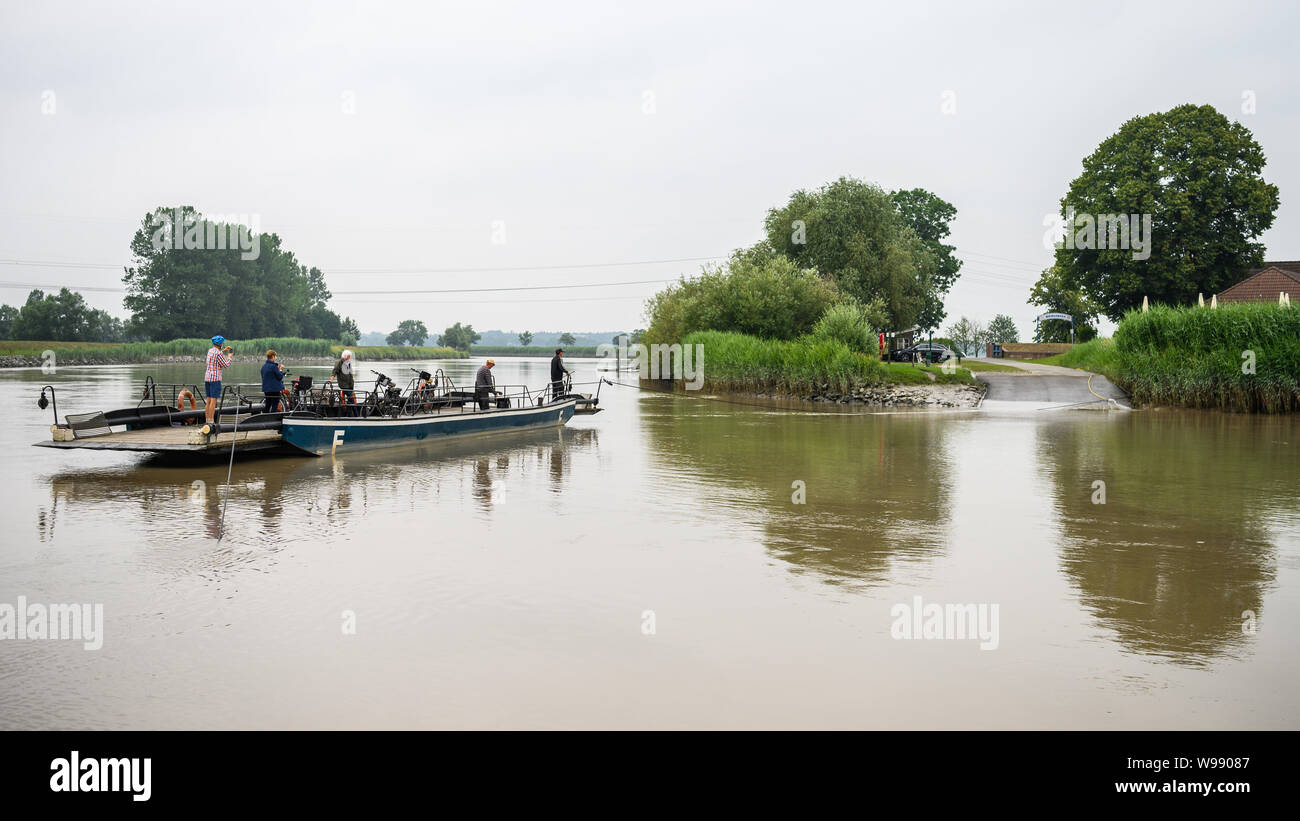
pixel 218 360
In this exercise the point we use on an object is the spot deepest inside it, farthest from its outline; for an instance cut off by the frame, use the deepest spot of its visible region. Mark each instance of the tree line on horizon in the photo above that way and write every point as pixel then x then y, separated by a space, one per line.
pixel 411 332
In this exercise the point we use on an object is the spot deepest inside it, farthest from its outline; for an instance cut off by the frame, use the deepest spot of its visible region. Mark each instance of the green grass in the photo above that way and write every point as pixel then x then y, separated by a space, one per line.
pixel 287 347
pixel 904 373
pixel 1097 355
pixel 401 352
pixel 1194 357
pixel 739 362
pixel 984 365
pixel 743 363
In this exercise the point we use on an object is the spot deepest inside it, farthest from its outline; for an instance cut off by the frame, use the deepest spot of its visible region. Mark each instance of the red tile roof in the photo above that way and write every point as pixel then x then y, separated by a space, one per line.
pixel 1264 285
pixel 1293 267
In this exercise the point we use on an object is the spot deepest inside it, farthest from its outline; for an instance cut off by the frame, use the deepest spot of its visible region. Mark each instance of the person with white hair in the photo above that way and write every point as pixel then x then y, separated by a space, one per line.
pixel 345 377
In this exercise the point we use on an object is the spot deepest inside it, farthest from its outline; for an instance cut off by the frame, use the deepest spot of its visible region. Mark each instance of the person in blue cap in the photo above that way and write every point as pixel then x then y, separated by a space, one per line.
pixel 218 360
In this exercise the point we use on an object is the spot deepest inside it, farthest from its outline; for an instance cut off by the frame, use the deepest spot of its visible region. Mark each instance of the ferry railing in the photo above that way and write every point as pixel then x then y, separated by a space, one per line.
pixel 171 392
pixel 240 402
pixel 439 394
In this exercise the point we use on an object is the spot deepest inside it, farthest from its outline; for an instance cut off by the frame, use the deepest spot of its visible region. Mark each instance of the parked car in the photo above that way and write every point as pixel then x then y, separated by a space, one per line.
pixel 925 350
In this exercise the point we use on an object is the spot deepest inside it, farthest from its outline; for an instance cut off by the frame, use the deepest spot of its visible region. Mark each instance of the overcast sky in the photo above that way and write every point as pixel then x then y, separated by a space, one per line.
pixel 379 137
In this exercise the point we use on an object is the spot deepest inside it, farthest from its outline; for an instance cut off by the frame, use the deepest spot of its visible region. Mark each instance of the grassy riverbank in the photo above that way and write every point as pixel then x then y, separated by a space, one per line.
pixel 740 363
pixel 108 353
pixel 1240 357
pixel 983 365
pixel 1097 355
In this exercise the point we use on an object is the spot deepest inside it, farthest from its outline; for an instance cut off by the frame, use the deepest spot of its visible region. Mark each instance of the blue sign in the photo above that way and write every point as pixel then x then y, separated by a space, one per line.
pixel 1066 317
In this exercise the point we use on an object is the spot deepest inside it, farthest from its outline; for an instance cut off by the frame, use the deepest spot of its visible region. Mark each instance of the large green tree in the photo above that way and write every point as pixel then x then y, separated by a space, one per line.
pixel 460 337
pixel 409 332
pixel 191 287
pixel 62 317
pixel 851 232
pixel 1198 175
pixel 1056 294
pixel 929 216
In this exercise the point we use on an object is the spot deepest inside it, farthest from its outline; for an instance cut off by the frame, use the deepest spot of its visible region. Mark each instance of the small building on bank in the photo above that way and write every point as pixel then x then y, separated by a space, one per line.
pixel 1025 350
pixel 1264 284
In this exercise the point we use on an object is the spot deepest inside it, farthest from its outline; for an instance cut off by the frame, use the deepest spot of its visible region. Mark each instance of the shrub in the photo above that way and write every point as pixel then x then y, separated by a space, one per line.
pixel 757 293
pixel 847 322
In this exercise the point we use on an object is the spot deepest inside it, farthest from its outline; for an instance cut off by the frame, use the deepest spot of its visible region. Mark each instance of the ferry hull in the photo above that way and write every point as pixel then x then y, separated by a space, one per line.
pixel 321 436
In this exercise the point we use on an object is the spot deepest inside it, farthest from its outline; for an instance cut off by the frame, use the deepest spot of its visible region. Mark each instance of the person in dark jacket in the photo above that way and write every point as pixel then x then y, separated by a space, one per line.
pixel 557 374
pixel 272 381
pixel 345 377
pixel 484 385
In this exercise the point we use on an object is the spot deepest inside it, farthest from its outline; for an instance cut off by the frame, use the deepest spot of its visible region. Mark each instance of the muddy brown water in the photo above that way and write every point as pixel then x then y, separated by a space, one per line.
pixel 651 567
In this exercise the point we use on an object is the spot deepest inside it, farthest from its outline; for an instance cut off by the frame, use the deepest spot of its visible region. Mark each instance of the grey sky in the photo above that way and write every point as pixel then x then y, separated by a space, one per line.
pixel 535 115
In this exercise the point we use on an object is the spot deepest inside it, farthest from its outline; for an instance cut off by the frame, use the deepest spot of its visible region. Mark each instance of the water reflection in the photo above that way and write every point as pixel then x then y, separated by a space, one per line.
pixel 277 501
pixel 1183 543
pixel 877 487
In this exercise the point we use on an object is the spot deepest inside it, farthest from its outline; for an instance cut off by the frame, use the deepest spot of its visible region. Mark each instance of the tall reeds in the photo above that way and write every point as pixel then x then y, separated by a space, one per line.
pixel 1242 356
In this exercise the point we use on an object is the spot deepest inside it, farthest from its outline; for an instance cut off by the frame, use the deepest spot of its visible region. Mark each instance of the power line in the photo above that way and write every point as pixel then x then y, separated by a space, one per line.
pixel 38 263
pixel 517 288
pixel 1034 265
pixel 981 277
pixel 489 301
pixel 517 268
pixel 102 289
pixel 43 286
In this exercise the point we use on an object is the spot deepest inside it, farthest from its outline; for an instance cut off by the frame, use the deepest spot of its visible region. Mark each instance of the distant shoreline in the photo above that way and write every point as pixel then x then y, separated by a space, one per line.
pixel 25 361
pixel 35 353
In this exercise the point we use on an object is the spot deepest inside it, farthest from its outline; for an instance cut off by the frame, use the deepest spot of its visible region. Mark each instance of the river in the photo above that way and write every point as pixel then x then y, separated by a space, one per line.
pixel 672 562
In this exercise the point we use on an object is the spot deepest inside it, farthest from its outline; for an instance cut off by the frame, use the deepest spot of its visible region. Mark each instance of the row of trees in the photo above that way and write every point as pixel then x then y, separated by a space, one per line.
pixel 1198 177
pixel 189 280
pixel 566 338
pixel 458 336
pixel 61 317
pixel 968 336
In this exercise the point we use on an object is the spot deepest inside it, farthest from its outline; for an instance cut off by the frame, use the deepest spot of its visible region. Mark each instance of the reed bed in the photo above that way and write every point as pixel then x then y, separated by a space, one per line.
pixel 1202 357
pixel 739 362
pixel 1241 356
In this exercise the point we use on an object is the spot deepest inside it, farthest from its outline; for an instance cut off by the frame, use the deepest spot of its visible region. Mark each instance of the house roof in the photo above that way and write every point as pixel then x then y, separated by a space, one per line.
pixel 1293 267
pixel 1264 285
